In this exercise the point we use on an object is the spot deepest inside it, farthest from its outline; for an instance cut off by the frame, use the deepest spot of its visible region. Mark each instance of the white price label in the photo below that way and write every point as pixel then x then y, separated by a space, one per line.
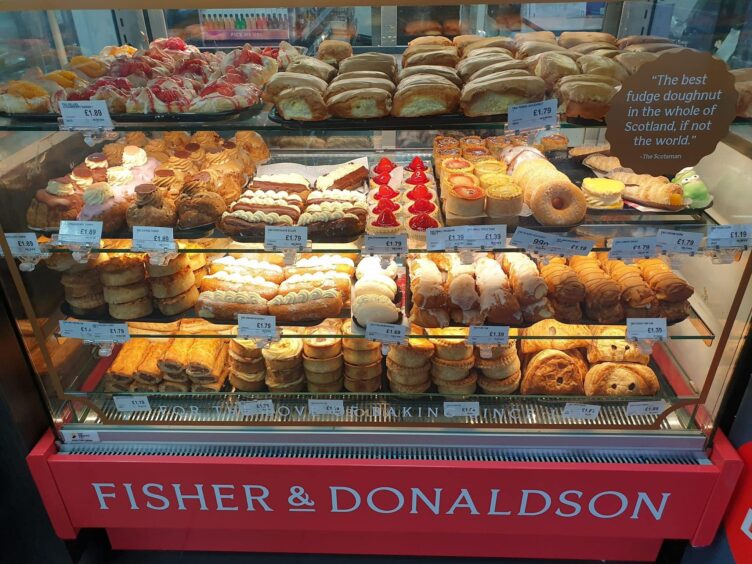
pixel 23 244
pixel 467 237
pixel 678 241
pixel 277 238
pixel 111 332
pixel 386 332
pixel 488 335
pixel 536 115
pixel 647 329
pixel 584 411
pixel 85 330
pixel 85 114
pixel 257 407
pixel 569 246
pixel 79 436
pixel 326 407
pixel 645 408
pixel 153 239
pixel 131 403
pixel 461 409
pixel 257 326
pixel 730 236
pixel 632 247
pixel 534 241
pixel 435 239
pixel 80 232
pixel 385 244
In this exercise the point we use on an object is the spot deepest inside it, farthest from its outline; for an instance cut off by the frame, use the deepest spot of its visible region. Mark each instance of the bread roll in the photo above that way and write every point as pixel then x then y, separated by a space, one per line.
pixel 284 80
pixel 369 62
pixel 625 42
pixel 654 47
pixel 467 67
pixel 571 38
pixel 545 36
pixel 487 51
pixel 502 66
pixel 360 75
pixel 332 51
pixel 362 103
pixel 530 48
pixel 431 40
pixel 444 72
pixel 357 84
pixel 585 99
pixel 302 103
pixel 460 41
pixel 430 55
pixel 491 96
pixel 425 95
pixel 314 67
pixel 633 61
pixel 551 66
pixel 595 64
pixel 504 42
pixel 595 47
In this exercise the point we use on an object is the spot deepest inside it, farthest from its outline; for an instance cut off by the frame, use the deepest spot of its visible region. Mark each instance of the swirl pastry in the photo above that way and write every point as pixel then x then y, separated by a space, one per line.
pixel 151 208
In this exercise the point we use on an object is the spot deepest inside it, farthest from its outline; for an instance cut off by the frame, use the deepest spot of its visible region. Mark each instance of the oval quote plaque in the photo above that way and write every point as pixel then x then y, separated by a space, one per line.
pixel 672 112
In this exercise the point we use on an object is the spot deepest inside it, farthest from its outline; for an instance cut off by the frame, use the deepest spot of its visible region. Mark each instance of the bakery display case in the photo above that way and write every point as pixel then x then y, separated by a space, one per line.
pixel 383 250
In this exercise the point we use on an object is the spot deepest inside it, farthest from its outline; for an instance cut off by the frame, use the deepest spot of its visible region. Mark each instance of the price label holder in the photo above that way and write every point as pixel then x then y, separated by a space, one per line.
pixel 488 335
pixel 570 247
pixel 78 437
pixel 461 409
pixel 536 115
pixel 85 115
pixel 386 333
pixel 257 407
pixel 385 244
pixel 678 242
pixel 334 408
pixel 159 242
pixel 84 330
pixel 111 332
pixel 583 411
pixel 26 249
pixel 737 236
pixel 640 408
pixel 535 241
pixel 289 240
pixel 80 236
pixel 647 329
pixel 131 403
pixel 261 328
pixel 467 237
pixel 103 335
pixel 632 247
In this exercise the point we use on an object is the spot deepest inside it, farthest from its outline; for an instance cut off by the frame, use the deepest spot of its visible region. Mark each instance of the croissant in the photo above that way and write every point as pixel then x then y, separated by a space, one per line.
pixel 562 282
pixel 667 286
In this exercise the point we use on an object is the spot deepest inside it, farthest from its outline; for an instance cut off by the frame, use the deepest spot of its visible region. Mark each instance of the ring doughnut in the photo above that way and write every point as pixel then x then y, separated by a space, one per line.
pixel 558 203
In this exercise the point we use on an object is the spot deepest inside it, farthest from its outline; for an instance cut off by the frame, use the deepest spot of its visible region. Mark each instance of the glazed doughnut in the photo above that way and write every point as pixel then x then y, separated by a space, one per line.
pixel 306 305
pixel 557 203
pixel 178 304
pixel 174 284
pixel 131 310
pixel 125 294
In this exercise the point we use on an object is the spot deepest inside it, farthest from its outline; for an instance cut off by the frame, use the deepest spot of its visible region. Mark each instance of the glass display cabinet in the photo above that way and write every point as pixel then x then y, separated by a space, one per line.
pixel 270 265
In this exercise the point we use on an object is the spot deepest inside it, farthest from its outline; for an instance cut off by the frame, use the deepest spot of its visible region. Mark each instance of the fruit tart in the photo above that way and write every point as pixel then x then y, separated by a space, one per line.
pixel 417 226
pixel 60 200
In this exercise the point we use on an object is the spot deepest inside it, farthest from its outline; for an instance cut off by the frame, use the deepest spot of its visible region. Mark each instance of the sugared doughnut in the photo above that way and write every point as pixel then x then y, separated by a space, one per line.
pixel 557 203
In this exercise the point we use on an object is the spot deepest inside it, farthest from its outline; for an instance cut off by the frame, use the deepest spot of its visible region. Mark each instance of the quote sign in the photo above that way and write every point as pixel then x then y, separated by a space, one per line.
pixel 671 112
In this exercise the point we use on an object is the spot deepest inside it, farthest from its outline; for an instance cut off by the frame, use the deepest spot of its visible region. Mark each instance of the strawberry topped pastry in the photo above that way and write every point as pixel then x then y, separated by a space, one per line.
pixel 417 178
pixel 421 192
pixel 384 223
pixel 383 192
pixel 416 165
pixel 384 166
pixel 418 224
pixel 382 179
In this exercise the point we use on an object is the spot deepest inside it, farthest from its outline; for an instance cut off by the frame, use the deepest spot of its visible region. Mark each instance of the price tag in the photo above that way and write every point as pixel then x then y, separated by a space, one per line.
pixel 79 436
pixel 153 239
pixel 385 244
pixel 678 241
pixel 645 408
pixel 23 244
pixel 569 246
pixel 84 330
pixel 386 332
pixel 537 115
pixel 257 407
pixel 85 114
pixel 257 326
pixel 650 329
pixel 461 409
pixel 326 407
pixel 632 247
pixel 276 238
pixel 534 241
pixel 111 332
pixel 730 236
pixel 131 403
pixel 488 335
pixel 435 239
pixel 584 411
pixel 467 237
pixel 80 232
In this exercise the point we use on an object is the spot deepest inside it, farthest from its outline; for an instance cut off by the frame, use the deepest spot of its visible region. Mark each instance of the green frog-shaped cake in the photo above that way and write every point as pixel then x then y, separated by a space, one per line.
pixel 693 187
